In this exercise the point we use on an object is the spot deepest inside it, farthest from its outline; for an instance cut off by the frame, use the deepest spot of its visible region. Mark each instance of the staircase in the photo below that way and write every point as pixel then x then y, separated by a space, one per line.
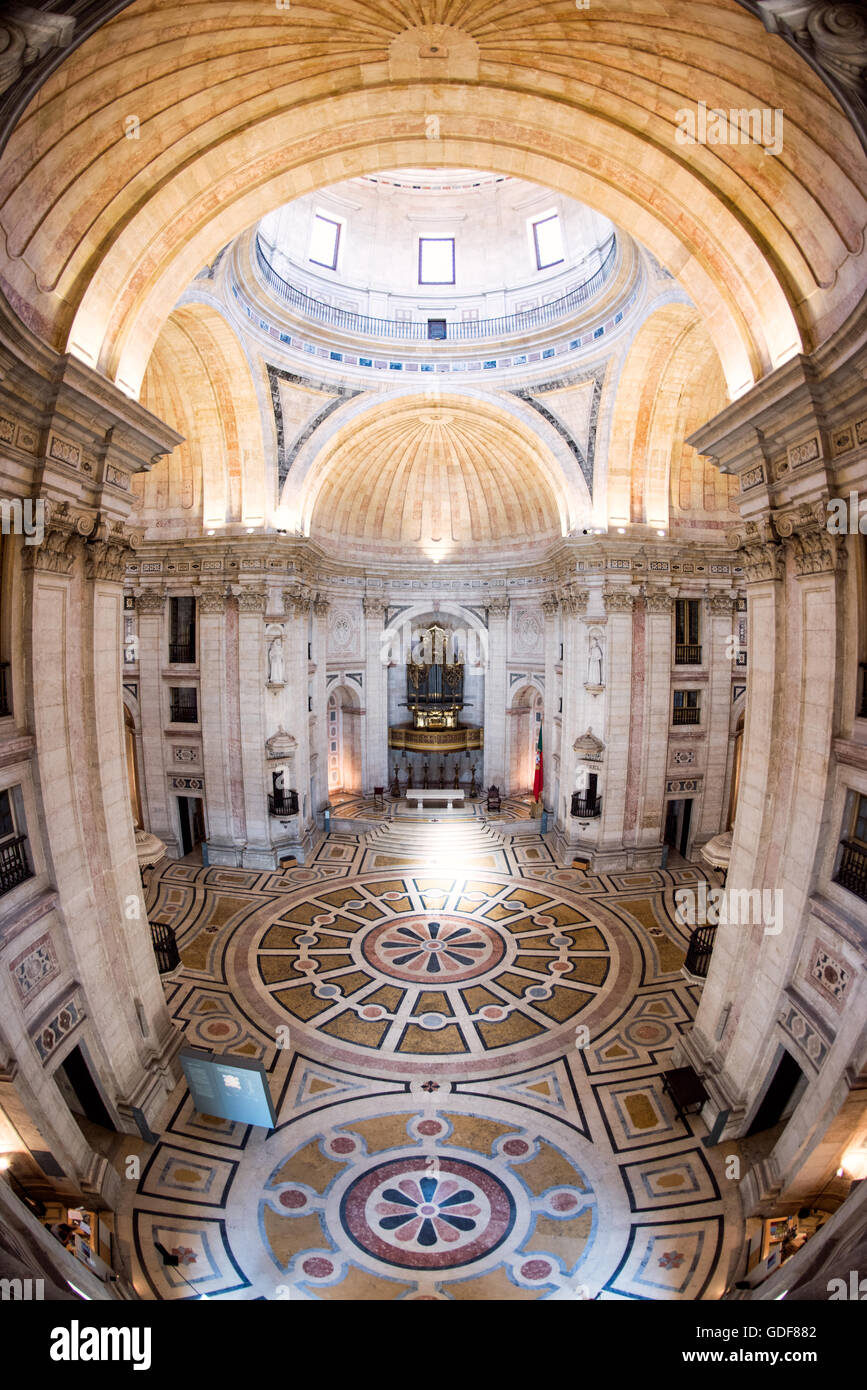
pixel 447 844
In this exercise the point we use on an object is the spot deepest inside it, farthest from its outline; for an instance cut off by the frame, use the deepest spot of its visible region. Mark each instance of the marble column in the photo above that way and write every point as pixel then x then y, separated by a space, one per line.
pixel 619 694
pixel 251 674
pixel 495 693
pixel 717 713
pixel 573 606
pixel 375 695
pixel 223 845
pixel 296 605
pixel 320 702
pixel 550 744
pixel 153 704
pixel 651 740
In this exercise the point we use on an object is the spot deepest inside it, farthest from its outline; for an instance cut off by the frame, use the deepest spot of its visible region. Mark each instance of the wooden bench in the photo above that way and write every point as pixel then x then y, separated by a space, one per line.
pixel 449 796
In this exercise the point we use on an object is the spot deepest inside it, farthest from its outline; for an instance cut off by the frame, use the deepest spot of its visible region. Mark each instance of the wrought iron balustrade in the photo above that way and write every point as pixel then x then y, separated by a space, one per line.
pixel 5 701
pixel 165 947
pixel 686 715
pixel 182 653
pixel 687 654
pixel 699 951
pixel 185 707
pixel 862 689
pixel 852 872
pixel 283 804
pixel 586 807
pixel 408 330
pixel 14 868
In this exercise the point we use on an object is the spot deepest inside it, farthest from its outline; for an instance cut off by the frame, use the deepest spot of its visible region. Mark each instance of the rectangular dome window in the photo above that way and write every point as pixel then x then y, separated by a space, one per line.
pixel 548 240
pixel 436 260
pixel 324 242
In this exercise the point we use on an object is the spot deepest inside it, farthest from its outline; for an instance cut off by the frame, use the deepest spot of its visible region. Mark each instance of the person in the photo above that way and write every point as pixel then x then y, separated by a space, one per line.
pixel 63 1232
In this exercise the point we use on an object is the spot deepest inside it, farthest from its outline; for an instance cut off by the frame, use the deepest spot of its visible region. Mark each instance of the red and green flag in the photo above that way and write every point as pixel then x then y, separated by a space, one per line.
pixel 539 775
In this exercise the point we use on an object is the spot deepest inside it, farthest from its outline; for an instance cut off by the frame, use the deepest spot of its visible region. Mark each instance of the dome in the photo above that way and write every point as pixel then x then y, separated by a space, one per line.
pixel 433 481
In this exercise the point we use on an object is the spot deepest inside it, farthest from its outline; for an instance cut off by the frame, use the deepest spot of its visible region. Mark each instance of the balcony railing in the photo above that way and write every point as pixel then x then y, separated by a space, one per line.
pixel 5 701
pixel 586 806
pixel 13 864
pixel 284 804
pixel 687 715
pixel 687 654
pixel 185 710
pixel 182 653
pixel 418 331
pixel 165 947
pixel 852 873
pixel 699 951
pixel 862 689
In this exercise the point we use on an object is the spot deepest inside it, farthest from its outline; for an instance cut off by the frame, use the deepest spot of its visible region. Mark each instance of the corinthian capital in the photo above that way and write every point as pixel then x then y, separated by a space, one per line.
pixel 211 600
pixel 109 549
pixel 252 601
pixel 498 607
pixel 64 532
pixel 658 601
pixel 150 600
pixel 374 607
pixel 617 600
pixel 296 600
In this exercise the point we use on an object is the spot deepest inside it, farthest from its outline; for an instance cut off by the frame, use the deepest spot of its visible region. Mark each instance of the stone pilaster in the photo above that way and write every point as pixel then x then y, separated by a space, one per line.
pixel 495 692
pixel 573 605
pixel 716 714
pixel 251 677
pixel 619 603
pixel 150 607
pixel 550 729
pixel 320 708
pixel 296 604
pixel 650 732
pixel 223 845
pixel 375 696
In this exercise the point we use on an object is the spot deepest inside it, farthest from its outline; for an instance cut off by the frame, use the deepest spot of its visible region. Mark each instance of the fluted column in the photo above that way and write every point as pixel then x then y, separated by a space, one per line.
pixel 251 677
pixel 495 693
pixel 376 695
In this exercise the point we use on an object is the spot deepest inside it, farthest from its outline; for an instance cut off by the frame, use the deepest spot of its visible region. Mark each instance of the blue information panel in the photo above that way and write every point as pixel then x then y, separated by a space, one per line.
pixel 230 1087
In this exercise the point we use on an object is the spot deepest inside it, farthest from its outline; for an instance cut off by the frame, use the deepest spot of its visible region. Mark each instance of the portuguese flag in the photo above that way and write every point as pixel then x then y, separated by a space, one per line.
pixel 539 775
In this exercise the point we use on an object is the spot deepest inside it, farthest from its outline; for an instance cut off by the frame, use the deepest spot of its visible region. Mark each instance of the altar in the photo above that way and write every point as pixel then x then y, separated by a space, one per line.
pixel 449 796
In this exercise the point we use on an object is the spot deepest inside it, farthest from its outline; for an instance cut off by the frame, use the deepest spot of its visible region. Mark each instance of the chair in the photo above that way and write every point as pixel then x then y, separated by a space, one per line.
pixel 493 798
pixel 379 797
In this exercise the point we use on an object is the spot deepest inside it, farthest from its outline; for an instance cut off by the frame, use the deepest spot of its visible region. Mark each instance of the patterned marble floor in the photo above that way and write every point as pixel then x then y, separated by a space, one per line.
pixel 465 1065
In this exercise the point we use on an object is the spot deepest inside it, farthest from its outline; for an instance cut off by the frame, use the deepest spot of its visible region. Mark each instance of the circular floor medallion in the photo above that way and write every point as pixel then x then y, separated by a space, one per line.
pixel 410 1213
pixel 433 949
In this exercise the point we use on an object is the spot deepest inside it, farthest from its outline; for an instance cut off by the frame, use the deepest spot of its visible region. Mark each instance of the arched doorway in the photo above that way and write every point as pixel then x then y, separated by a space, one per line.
pixel 525 720
pixel 344 741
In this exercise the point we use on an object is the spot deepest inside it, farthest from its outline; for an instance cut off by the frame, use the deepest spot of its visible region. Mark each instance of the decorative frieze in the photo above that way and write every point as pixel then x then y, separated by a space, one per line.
pixel 187 784
pixel 829 974
pixel 59 1026
pixel 810 1041
pixel 34 968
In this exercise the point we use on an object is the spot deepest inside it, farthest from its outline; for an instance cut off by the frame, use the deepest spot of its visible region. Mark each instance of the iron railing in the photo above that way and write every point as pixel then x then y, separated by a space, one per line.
pixel 687 714
pixel 284 804
pixel 687 654
pixel 184 707
pixel 699 951
pixel 5 702
pixel 862 689
pixel 852 872
pixel 14 868
pixel 182 653
pixel 586 806
pixel 412 331
pixel 165 947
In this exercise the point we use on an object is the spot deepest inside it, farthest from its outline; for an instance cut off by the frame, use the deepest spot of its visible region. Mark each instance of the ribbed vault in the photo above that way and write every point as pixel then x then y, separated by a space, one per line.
pixel 235 108
pixel 437 481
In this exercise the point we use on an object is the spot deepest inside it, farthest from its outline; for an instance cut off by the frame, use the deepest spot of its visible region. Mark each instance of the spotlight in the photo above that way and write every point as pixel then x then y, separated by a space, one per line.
pixel 660 533
pixel 621 530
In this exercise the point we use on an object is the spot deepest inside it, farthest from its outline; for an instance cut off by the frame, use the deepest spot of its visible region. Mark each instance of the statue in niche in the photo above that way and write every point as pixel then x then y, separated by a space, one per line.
pixel 275 662
pixel 424 780
pixel 457 781
pixel 442 776
pixel 594 663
